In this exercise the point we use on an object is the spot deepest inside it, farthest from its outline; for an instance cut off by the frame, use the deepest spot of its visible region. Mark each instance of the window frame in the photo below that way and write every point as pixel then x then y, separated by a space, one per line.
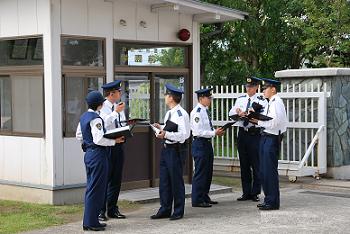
pixel 36 70
pixel 72 72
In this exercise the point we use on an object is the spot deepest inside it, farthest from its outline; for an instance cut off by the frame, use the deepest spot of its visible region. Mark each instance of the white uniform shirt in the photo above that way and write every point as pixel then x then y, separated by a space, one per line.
pixel 242 102
pixel 96 131
pixel 277 111
pixel 110 116
pixel 200 123
pixel 181 118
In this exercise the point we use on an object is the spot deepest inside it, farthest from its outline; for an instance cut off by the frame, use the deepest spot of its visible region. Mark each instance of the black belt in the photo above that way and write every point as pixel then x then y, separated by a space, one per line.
pixel 252 130
pixel 268 134
pixel 176 145
pixel 202 138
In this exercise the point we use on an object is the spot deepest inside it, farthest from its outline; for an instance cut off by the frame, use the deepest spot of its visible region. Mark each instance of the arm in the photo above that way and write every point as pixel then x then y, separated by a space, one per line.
pixel 183 131
pixel 79 134
pixel 197 126
pixel 98 132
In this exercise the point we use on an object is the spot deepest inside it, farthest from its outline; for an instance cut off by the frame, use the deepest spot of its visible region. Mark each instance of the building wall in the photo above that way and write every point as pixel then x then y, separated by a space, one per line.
pixel 53 161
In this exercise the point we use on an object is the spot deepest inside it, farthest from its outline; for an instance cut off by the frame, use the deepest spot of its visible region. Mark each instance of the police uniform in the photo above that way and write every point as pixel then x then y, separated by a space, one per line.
pixel 269 148
pixel 90 132
pixel 202 152
pixel 113 120
pixel 248 135
pixel 171 183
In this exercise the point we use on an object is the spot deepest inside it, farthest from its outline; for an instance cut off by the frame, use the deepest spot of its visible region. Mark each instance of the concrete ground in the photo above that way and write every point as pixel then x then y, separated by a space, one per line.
pixel 303 210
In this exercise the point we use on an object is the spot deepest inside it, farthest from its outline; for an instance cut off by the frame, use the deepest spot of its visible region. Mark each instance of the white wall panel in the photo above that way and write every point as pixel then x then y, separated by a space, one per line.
pixel 168 26
pixel 74 17
pixel 31 160
pixel 187 23
pixel 100 18
pixel 150 33
pixel 12 158
pixel 125 10
pixel 9 18
pixel 2 157
pixel 43 16
pixel 74 168
pixel 27 17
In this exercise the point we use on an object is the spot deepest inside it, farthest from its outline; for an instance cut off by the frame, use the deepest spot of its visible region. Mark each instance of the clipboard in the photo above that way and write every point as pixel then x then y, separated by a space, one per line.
pixel 119 132
pixel 228 125
pixel 258 116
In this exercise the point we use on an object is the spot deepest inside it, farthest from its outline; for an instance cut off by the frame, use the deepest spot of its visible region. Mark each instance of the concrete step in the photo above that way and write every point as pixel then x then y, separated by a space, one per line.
pixel 148 195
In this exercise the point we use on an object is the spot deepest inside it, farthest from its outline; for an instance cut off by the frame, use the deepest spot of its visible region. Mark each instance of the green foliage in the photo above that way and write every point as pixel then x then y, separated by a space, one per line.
pixel 279 34
pixel 172 57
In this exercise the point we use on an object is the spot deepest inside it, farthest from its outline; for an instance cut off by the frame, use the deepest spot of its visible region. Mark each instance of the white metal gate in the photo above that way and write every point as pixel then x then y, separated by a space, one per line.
pixel 304 146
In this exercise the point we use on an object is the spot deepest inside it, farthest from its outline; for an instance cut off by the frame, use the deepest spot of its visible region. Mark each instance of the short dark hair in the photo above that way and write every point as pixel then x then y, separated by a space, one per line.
pixel 94 106
pixel 176 98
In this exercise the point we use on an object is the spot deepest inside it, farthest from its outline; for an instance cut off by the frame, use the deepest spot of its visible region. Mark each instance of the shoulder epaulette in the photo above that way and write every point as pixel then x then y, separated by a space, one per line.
pixel 179 113
pixel 199 109
pixel 260 97
pixel 241 96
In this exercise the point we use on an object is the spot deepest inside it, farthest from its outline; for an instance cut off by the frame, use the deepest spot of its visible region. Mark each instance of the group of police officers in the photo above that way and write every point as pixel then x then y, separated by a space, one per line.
pixel 258 146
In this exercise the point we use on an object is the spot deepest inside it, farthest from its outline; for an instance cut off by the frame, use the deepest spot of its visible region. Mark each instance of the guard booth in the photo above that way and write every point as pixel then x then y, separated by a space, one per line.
pixel 53 51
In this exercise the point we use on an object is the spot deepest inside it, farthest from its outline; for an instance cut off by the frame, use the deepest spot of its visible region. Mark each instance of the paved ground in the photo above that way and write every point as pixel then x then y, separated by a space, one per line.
pixel 302 211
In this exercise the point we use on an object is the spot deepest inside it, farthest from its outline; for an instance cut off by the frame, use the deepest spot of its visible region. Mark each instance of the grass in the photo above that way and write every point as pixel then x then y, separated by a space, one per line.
pixel 21 216
pixel 233 182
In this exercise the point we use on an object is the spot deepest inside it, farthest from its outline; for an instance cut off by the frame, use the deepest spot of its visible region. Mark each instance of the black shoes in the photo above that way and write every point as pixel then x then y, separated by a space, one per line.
pixel 244 198
pixel 213 202
pixel 102 217
pixel 101 227
pixel 175 217
pixel 268 207
pixel 202 205
pixel 160 216
pixel 116 215
pixel 260 205
pixel 255 198
pixel 251 197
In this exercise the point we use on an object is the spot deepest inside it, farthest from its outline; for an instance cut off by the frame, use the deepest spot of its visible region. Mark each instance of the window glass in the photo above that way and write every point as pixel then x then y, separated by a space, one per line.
pixel 5 104
pixel 83 52
pixel 135 95
pixel 149 55
pixel 19 52
pixel 76 89
pixel 22 109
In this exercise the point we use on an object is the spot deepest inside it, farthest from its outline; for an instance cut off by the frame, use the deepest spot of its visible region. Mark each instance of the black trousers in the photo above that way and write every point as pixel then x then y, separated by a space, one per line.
pixel 115 173
pixel 248 149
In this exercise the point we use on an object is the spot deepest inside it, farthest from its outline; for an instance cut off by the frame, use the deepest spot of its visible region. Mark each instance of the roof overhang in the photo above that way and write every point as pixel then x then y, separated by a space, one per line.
pixel 202 12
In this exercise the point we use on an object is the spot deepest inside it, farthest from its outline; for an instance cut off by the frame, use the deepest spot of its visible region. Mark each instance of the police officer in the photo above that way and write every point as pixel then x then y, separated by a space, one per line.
pixel 248 135
pixel 202 149
pixel 90 132
pixel 270 144
pixel 113 116
pixel 175 132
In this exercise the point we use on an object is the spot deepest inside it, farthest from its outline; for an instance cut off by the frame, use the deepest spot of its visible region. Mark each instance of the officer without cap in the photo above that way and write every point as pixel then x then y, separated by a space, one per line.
pixel 202 149
pixel 248 138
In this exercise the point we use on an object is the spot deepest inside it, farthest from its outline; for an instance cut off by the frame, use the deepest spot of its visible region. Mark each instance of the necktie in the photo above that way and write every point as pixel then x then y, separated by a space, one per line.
pixel 209 117
pixel 112 108
pixel 246 121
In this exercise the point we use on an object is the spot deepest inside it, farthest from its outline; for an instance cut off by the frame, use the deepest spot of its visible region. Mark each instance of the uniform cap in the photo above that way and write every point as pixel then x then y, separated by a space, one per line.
pixel 94 97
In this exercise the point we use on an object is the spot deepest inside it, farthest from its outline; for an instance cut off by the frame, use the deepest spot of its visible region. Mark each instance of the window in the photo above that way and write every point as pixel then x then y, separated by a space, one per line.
pixel 150 55
pixel 83 52
pixel 22 105
pixel 76 89
pixel 19 52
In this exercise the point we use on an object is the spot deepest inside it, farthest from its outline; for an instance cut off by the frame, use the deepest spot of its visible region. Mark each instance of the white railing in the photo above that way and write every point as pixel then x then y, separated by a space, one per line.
pixel 304 147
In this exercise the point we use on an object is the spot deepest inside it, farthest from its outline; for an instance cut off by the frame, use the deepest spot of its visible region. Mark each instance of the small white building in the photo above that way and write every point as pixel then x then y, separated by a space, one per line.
pixel 53 51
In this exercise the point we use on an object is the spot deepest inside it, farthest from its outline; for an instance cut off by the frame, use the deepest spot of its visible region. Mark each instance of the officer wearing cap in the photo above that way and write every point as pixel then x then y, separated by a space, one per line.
pixel 113 116
pixel 248 135
pixel 175 132
pixel 90 132
pixel 202 149
pixel 270 144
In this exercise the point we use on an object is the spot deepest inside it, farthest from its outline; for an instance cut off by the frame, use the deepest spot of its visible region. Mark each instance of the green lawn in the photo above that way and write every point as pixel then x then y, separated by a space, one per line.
pixel 233 182
pixel 21 216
